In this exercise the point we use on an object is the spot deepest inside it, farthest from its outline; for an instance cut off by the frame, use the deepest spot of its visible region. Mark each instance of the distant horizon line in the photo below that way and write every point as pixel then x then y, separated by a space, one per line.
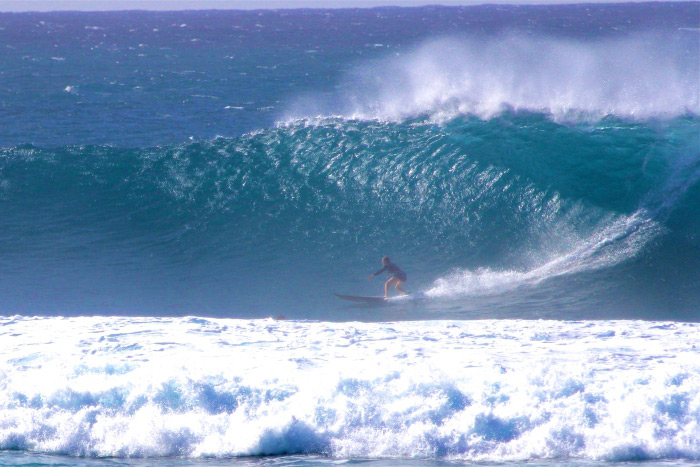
pixel 47 6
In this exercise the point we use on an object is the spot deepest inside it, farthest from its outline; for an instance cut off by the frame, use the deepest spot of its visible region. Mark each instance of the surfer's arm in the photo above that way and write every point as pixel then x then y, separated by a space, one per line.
pixel 376 273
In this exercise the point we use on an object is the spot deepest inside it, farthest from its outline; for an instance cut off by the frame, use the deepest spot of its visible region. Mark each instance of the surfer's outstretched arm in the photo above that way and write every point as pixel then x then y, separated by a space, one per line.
pixel 376 273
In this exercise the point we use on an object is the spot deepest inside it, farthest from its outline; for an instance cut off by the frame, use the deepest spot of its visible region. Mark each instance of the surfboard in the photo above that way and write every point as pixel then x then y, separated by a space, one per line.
pixel 358 298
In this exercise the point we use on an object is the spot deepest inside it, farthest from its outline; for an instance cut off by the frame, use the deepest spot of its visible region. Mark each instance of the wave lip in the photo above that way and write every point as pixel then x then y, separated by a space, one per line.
pixel 638 77
pixel 491 390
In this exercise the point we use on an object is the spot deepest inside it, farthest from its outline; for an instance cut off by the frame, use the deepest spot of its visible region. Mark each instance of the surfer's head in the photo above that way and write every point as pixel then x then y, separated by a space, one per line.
pixel 386 260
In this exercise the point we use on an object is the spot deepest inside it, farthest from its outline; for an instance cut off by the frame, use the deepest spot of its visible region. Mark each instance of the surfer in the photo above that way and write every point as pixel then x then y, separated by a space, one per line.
pixel 398 277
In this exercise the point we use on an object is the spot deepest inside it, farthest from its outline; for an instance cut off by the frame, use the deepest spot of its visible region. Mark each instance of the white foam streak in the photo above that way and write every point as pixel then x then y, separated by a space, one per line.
pixel 612 243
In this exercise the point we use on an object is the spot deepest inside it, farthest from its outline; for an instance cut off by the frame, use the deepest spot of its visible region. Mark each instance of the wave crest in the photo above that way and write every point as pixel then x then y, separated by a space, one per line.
pixel 641 77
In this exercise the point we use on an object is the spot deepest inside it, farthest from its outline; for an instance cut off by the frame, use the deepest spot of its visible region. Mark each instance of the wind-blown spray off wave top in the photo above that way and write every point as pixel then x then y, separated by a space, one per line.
pixel 640 77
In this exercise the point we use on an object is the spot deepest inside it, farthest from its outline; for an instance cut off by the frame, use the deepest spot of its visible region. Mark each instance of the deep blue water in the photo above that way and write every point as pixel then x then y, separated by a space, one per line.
pixel 519 163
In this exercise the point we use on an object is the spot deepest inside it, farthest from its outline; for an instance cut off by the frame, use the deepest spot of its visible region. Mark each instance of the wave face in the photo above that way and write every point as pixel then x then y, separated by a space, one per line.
pixel 470 208
pixel 486 391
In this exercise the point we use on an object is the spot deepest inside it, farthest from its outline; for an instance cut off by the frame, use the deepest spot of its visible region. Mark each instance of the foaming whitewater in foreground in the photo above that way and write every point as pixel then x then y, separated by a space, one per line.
pixel 469 390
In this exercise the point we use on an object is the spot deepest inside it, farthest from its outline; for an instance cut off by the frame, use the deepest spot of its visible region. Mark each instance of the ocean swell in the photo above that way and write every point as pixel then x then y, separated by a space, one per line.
pixel 475 207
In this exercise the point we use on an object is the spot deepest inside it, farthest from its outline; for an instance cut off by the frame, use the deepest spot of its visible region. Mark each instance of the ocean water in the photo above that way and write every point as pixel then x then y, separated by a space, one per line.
pixel 173 184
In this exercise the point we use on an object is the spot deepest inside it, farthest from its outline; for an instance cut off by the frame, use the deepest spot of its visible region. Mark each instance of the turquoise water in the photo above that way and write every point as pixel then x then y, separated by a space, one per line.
pixel 273 222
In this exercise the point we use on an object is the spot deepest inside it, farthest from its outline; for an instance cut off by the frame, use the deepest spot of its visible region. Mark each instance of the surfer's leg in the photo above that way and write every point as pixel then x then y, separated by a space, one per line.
pixel 391 281
pixel 399 287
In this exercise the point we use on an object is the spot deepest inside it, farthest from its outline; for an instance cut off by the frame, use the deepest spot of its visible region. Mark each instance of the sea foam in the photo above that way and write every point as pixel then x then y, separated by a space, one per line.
pixel 468 390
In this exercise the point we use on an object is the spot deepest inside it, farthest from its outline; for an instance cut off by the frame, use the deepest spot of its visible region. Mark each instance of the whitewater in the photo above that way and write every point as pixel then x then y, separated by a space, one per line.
pixel 489 390
pixel 183 193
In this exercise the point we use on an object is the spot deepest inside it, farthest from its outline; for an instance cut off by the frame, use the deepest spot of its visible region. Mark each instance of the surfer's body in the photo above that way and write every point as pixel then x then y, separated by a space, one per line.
pixel 398 277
